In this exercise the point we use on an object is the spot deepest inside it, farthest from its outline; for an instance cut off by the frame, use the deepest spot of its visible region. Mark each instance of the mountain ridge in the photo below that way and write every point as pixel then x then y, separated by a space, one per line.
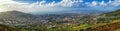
pixel 114 13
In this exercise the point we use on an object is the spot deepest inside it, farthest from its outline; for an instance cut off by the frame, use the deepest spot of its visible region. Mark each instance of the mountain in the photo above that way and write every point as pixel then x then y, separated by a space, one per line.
pixel 16 15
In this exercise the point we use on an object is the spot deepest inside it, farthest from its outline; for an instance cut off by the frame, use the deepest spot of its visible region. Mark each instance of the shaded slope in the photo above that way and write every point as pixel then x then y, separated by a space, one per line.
pixel 7 28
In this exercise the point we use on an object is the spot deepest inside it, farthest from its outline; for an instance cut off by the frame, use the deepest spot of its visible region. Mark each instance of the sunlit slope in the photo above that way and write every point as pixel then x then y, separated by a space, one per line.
pixel 107 27
pixel 114 24
pixel 114 13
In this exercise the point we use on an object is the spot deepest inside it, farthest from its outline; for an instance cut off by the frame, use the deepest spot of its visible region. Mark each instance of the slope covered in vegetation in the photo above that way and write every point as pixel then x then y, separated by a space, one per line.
pixel 7 28
pixel 113 25
pixel 107 27
pixel 114 13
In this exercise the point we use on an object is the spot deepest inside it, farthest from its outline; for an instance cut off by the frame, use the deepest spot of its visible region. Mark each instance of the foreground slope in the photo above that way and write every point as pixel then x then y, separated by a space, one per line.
pixel 7 28
pixel 107 27
pixel 112 26
pixel 15 18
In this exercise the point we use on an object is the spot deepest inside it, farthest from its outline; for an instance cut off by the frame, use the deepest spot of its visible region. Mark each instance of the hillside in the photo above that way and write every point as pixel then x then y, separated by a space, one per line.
pixel 7 28
pixel 16 14
pixel 107 27
pixel 114 13
pixel 114 22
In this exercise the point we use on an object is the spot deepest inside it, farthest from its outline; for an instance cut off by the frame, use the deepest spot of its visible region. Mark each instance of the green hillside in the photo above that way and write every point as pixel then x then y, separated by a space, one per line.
pixel 114 13
pixel 108 27
pixel 7 28
pixel 111 18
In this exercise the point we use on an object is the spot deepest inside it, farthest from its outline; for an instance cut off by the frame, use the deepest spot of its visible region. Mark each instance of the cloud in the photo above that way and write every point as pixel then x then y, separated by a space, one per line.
pixel 94 3
pixel 103 3
pixel 41 6
pixel 99 4
pixel 116 3
pixel 110 3
pixel 64 5
pixel 4 4
pixel 70 3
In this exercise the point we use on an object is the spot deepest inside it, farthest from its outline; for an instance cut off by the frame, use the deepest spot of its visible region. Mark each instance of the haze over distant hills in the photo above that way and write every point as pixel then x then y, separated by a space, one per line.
pixel 72 11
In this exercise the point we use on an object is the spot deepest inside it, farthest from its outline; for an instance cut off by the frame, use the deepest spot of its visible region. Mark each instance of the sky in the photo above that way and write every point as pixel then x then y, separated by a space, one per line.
pixel 31 6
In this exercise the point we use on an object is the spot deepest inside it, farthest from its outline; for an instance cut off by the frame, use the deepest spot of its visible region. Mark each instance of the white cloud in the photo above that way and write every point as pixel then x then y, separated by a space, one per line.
pixel 5 4
pixel 51 7
pixel 69 3
pixel 39 6
pixel 110 1
pixel 116 3
pixel 94 3
pixel 103 3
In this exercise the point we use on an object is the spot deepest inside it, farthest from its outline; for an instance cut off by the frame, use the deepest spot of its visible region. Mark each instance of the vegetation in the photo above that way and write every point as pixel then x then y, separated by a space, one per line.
pixel 7 28
pixel 114 13
pixel 108 22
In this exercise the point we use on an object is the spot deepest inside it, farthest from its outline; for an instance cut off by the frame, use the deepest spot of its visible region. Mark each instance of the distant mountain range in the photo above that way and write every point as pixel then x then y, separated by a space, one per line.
pixel 72 11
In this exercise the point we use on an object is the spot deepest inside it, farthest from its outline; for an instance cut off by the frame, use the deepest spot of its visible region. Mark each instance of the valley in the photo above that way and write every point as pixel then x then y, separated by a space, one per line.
pixel 60 22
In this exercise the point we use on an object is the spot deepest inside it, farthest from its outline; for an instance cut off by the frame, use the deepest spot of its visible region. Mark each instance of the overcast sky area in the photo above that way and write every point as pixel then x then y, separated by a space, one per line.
pixel 29 6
